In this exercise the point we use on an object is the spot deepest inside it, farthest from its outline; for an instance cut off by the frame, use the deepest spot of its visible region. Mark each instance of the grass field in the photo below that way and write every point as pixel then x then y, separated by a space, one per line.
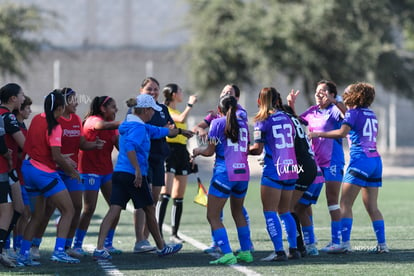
pixel 395 204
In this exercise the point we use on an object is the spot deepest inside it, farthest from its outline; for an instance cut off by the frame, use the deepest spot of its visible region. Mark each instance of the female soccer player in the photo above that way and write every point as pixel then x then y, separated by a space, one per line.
pixel 327 115
pixel 275 132
pixel 365 166
pixel 43 146
pixel 96 166
pixel 228 136
pixel 178 164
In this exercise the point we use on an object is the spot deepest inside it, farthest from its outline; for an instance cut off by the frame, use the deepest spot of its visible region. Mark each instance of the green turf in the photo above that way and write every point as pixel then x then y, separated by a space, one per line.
pixel 395 203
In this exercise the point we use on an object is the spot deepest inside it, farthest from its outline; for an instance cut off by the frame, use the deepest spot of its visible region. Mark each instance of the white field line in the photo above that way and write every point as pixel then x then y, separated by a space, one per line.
pixel 202 246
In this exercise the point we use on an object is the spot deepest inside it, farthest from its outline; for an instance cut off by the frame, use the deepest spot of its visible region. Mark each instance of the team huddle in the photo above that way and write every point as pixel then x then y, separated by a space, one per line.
pixel 62 162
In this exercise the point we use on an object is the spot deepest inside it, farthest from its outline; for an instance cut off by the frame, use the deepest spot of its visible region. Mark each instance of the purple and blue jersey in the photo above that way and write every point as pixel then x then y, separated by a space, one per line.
pixel 277 133
pixel 231 157
pixel 241 114
pixel 363 134
pixel 327 151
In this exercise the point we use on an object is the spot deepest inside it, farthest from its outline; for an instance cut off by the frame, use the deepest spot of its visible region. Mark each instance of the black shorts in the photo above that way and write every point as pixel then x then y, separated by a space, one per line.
pixel 307 174
pixel 156 173
pixel 123 190
pixel 5 192
pixel 178 162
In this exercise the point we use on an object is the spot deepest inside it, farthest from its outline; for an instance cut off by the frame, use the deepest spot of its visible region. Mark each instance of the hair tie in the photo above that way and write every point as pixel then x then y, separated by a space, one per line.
pixel 52 96
pixel 106 99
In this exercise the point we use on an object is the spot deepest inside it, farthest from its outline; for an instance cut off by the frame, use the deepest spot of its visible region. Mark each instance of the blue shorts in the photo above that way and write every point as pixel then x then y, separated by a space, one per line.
pixel 123 190
pixel 71 184
pixel 335 172
pixel 93 182
pixel 312 194
pixel 38 182
pixel 287 185
pixel 220 186
pixel 364 172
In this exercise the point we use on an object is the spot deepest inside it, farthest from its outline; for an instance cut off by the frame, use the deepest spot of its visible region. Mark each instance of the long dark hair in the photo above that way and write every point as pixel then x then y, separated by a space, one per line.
pixel 53 100
pixel 228 106
pixel 97 102
pixel 8 91
pixel 168 92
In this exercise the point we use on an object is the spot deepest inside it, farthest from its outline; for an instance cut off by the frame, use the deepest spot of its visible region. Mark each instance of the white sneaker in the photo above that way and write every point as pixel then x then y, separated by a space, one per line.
pixel 35 253
pixel 311 250
pixel 6 261
pixel 275 256
pixel 334 249
pixel 380 249
pixel 10 253
pixel 143 246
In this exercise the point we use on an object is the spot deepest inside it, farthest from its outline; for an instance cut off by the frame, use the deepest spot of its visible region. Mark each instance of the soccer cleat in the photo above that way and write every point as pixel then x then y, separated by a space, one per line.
pixel 74 253
pixel 112 250
pixel 311 250
pixel 251 249
pixel 23 260
pixel 346 246
pixel 169 249
pixel 6 261
pixel 334 249
pixel 79 251
pixel 143 246
pixel 62 257
pixel 101 255
pixel 212 249
pixel 11 254
pixel 226 259
pixel 294 254
pixel 245 256
pixel 35 253
pixel 275 256
pixel 176 239
pixel 323 249
pixel 380 249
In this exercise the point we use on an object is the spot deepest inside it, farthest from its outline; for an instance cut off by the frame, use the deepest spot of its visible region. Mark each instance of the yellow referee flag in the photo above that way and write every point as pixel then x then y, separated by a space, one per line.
pixel 201 196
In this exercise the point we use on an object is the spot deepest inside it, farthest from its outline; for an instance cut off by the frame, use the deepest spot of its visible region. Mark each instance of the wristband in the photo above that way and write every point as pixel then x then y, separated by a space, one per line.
pixel 189 105
pixel 180 131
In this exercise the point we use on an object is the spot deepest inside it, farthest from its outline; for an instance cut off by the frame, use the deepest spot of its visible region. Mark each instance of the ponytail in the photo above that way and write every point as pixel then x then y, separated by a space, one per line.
pixel 228 106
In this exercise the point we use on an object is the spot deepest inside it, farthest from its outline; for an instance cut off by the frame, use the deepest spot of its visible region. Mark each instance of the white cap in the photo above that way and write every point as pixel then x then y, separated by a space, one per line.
pixel 145 101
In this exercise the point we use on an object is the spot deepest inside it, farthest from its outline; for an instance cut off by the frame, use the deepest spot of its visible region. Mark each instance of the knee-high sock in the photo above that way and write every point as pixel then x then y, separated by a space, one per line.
pixel 176 212
pixel 290 227
pixel 346 229
pixel 222 240
pixel 274 229
pixel 379 229
pixel 3 237
pixel 161 209
pixel 243 234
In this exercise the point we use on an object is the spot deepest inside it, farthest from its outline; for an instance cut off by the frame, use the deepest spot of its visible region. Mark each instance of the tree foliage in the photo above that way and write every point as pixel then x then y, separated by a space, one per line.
pixel 345 41
pixel 18 28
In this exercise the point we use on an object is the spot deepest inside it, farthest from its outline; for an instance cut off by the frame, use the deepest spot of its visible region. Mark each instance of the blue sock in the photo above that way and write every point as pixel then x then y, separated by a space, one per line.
pixel 60 244
pixel 274 229
pixel 68 243
pixel 308 234
pixel 243 234
pixel 246 215
pixel 290 226
pixel 79 236
pixel 379 229
pixel 109 238
pixel 222 240
pixel 17 240
pixel 25 247
pixel 36 242
pixel 336 232
pixel 346 229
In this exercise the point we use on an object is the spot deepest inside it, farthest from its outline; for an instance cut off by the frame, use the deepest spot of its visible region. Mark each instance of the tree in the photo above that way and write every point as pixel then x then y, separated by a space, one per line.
pixel 18 28
pixel 345 41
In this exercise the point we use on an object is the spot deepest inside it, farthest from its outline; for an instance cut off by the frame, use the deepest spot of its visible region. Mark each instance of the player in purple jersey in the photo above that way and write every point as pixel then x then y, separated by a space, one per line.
pixel 365 166
pixel 201 130
pixel 229 140
pixel 327 115
pixel 275 133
